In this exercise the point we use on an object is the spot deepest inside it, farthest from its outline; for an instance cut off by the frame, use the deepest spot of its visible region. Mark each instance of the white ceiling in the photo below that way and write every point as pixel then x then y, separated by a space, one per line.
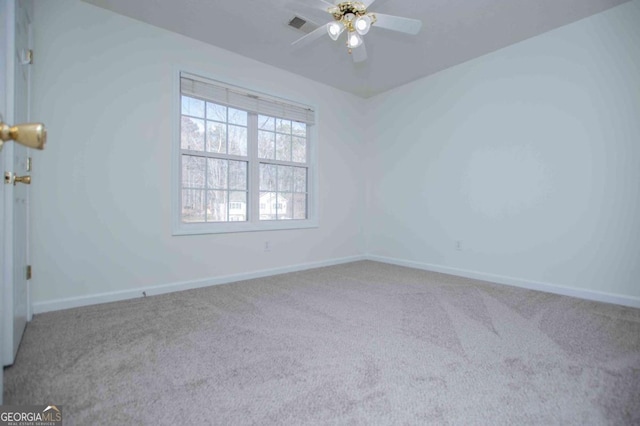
pixel 453 31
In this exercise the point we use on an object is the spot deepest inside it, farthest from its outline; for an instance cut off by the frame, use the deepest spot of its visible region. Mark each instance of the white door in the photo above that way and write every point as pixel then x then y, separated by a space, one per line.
pixel 3 113
pixel 16 306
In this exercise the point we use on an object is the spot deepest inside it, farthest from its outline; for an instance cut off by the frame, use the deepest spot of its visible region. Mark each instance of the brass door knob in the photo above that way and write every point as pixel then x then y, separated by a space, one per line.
pixel 32 135
pixel 10 178
pixel 22 179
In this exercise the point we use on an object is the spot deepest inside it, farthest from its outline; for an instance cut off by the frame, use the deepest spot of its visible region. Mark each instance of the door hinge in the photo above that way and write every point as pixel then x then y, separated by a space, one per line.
pixel 26 56
pixel 29 164
pixel 28 272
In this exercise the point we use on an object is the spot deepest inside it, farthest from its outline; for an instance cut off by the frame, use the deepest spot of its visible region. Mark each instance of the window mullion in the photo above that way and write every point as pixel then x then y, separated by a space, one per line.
pixel 253 196
pixel 228 191
pixel 277 192
pixel 206 191
pixel 284 163
pixel 217 155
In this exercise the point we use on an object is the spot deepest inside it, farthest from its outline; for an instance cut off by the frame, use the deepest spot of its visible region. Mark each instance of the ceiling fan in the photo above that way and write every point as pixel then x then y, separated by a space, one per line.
pixel 354 18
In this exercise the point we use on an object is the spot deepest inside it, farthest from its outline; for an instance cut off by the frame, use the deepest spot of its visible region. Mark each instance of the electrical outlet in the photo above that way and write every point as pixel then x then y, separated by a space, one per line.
pixel 267 246
pixel 458 245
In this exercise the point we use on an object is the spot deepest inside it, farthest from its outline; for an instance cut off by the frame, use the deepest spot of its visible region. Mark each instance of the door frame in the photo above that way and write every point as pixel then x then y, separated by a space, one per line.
pixel 6 116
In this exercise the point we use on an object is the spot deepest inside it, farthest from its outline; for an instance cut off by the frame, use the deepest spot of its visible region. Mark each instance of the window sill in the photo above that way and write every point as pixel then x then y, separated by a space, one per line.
pixel 236 227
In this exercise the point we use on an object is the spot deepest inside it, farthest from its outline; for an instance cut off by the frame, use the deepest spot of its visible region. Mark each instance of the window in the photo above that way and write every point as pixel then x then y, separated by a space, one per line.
pixel 245 160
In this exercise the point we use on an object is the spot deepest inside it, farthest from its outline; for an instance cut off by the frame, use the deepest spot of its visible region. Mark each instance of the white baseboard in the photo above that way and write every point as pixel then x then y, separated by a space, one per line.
pixel 94 299
pixel 75 302
pixel 597 296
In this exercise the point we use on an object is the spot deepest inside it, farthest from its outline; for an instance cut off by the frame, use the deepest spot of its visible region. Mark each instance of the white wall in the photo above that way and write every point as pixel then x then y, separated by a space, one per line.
pixel 530 156
pixel 101 197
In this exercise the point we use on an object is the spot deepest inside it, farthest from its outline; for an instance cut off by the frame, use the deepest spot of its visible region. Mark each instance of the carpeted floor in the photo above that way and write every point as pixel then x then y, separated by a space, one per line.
pixel 361 343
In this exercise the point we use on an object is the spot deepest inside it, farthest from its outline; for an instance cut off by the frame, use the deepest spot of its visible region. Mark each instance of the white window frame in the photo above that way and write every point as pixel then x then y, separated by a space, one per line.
pixel 253 223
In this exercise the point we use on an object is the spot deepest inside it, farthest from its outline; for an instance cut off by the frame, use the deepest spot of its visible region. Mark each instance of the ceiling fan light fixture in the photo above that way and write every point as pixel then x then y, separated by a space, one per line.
pixel 353 18
pixel 335 29
pixel 363 24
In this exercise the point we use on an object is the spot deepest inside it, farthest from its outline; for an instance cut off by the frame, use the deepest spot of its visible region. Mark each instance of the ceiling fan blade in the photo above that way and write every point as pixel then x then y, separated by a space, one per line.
pixel 359 53
pixel 397 23
pixel 319 4
pixel 367 3
pixel 307 12
pixel 312 36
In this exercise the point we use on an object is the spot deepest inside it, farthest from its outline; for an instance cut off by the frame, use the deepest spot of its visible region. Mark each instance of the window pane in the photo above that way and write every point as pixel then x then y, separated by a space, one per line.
pixel 193 172
pixel 237 140
pixel 237 175
pixel 299 129
pixel 285 178
pixel 285 206
pixel 237 206
pixel 283 147
pixel 266 123
pixel 299 206
pixel 216 137
pixel 217 206
pixel 237 116
pixel 216 112
pixel 299 179
pixel 217 173
pixel 268 205
pixel 283 126
pixel 193 107
pixel 192 205
pixel 299 152
pixel 267 177
pixel 266 145
pixel 192 134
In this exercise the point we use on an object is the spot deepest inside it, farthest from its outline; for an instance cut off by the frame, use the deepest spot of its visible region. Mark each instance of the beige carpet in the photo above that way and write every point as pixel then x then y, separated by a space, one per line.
pixel 361 343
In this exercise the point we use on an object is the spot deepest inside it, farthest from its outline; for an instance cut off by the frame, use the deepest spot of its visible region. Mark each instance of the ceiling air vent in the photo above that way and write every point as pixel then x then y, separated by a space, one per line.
pixel 302 24
pixel 297 22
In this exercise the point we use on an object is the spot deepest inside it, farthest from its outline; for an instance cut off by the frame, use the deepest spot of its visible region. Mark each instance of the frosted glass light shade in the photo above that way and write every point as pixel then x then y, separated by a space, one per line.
pixel 363 24
pixel 335 29
pixel 354 40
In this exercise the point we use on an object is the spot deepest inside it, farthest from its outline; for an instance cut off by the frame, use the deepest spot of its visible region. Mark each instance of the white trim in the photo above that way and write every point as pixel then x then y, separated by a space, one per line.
pixel 75 302
pixel 232 227
pixel 313 189
pixel 176 202
pixel 178 228
pixel 29 9
pixel 596 296
pixel 115 296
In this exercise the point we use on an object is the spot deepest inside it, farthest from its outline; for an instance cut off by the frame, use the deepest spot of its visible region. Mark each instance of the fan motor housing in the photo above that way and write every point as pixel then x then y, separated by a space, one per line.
pixel 354 7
